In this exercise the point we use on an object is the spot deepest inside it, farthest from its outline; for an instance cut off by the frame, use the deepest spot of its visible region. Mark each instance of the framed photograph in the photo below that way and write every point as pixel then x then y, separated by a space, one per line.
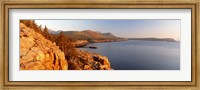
pixel 95 44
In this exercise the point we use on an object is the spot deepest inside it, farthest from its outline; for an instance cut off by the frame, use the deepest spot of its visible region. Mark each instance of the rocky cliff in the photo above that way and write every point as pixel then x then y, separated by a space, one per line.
pixel 89 61
pixel 38 53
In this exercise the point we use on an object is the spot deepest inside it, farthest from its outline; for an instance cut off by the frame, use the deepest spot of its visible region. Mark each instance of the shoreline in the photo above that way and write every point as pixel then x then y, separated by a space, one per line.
pixel 85 43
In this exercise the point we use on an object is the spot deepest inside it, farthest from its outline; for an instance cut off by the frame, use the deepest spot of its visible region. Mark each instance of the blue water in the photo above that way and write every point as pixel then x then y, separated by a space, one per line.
pixel 140 55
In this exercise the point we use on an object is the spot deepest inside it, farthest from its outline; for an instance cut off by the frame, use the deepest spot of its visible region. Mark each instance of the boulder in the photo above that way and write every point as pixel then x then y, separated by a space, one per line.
pixel 89 61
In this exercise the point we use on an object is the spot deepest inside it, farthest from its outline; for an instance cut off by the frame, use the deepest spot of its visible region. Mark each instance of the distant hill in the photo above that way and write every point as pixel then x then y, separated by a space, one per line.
pixel 87 35
pixel 154 39
pixel 94 36
pixel 54 32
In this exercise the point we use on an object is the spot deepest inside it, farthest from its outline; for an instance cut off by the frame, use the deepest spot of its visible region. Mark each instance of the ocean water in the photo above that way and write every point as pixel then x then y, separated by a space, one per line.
pixel 140 54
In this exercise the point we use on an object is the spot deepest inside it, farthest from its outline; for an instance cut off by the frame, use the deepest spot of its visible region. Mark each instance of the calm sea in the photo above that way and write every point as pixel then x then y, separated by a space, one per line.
pixel 140 54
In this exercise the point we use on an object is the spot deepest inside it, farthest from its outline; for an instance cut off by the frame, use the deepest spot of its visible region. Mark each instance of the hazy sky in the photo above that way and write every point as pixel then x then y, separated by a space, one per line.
pixel 121 28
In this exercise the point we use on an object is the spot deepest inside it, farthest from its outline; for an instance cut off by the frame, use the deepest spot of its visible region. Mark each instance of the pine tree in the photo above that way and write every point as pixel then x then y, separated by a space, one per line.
pixel 40 29
pixel 61 40
pixel 66 45
pixel 46 32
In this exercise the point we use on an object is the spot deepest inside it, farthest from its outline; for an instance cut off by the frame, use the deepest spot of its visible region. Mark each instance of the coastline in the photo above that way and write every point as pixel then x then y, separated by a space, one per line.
pixel 117 52
pixel 83 43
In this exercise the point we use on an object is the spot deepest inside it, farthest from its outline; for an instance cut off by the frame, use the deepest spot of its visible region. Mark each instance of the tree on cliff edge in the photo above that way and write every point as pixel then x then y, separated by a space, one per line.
pixel 47 35
pixel 65 45
pixel 33 25
pixel 46 31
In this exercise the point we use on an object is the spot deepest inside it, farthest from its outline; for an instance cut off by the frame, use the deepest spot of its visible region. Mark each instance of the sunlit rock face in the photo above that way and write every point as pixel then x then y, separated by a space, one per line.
pixel 38 53
pixel 89 61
